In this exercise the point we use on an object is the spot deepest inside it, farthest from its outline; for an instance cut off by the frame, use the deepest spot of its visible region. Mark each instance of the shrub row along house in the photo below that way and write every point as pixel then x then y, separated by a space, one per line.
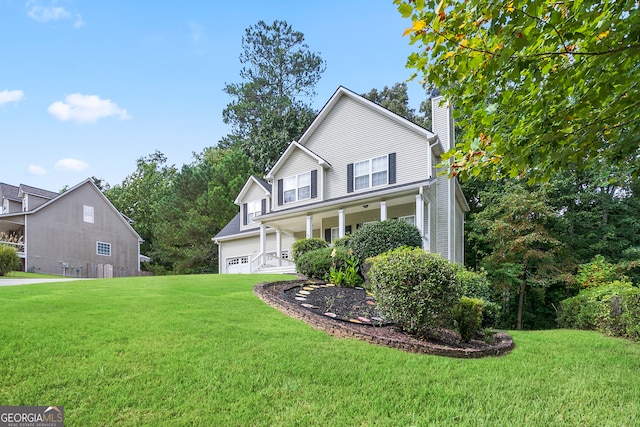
pixel 75 233
pixel 356 163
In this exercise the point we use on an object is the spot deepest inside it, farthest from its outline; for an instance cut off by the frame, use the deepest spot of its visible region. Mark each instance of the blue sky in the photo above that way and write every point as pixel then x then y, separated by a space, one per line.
pixel 88 87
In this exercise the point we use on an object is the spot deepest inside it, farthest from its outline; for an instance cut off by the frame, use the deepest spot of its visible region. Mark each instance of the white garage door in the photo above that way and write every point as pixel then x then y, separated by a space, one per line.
pixel 238 265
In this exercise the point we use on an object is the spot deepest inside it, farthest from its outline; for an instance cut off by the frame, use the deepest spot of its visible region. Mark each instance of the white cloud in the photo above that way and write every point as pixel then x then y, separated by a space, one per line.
pixel 86 109
pixel 44 14
pixel 71 165
pixel 52 12
pixel 7 96
pixel 37 170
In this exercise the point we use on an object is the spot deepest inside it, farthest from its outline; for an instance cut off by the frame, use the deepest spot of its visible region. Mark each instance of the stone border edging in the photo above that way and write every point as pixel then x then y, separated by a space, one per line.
pixel 270 293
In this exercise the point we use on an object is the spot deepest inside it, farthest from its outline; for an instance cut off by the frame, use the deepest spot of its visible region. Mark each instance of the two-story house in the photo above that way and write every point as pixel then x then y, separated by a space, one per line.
pixel 357 163
pixel 75 233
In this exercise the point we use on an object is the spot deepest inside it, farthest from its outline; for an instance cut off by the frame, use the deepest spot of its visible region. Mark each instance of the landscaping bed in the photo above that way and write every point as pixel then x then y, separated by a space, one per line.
pixel 349 313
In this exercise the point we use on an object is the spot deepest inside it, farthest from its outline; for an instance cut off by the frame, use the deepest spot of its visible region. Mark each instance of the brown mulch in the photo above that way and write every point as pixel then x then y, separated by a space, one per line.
pixel 351 312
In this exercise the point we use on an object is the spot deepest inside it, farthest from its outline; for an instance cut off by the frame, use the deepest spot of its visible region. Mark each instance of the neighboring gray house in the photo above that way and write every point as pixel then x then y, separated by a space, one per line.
pixel 356 163
pixel 76 233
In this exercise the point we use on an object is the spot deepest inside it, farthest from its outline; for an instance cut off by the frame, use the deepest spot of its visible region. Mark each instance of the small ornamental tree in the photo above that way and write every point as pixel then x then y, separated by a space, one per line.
pixel 9 259
pixel 417 289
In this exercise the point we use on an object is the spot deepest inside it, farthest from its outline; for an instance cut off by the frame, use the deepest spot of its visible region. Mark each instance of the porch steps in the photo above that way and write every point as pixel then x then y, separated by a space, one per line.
pixel 277 270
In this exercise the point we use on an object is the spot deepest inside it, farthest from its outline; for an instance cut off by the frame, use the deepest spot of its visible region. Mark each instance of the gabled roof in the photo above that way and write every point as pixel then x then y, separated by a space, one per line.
pixel 344 92
pixel 9 191
pixel 251 181
pixel 294 145
pixel 59 196
pixel 45 194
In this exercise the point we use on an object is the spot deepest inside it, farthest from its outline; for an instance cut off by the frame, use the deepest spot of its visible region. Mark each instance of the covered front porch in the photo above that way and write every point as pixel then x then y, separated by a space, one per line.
pixel 333 220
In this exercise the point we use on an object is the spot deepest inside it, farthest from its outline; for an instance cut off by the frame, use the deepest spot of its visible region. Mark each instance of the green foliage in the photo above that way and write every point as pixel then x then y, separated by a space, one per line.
pixel 300 247
pixel 198 205
pixel 266 113
pixel 598 272
pixel 612 308
pixel 316 263
pixel 476 285
pixel 416 289
pixel 516 244
pixel 396 100
pixel 140 194
pixel 468 317
pixel 344 268
pixel 378 237
pixel 9 259
pixel 342 242
pixel 539 86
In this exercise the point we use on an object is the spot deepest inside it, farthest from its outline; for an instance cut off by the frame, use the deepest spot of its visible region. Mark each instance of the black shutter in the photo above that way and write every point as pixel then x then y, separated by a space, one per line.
pixel 314 183
pixel 263 208
pixel 327 234
pixel 350 178
pixel 280 193
pixel 392 168
pixel 244 214
pixel 347 230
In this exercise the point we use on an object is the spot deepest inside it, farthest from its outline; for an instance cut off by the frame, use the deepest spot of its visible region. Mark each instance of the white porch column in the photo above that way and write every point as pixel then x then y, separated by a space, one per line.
pixel 383 210
pixel 420 218
pixel 341 223
pixel 279 246
pixel 263 244
pixel 309 233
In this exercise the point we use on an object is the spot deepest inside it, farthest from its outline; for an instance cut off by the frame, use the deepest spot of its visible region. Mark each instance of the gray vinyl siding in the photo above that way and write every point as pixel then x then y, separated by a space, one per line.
pixel 57 233
pixel 443 197
pixel 297 163
pixel 354 132
pixel 442 125
pixel 459 235
pixel 255 192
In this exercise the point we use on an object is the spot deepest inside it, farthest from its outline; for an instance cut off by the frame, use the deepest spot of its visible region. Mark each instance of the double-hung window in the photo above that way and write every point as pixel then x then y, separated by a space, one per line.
pixel 254 209
pixel 371 172
pixel 297 187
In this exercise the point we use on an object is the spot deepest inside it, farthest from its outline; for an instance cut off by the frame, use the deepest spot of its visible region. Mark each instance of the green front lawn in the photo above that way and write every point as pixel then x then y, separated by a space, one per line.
pixel 203 350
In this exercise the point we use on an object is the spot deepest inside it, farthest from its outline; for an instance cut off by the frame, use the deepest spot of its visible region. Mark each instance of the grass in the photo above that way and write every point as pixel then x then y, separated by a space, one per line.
pixel 203 350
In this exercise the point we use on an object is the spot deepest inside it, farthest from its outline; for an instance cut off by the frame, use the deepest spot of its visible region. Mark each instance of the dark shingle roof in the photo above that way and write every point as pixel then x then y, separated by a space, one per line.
pixel 264 183
pixel 9 191
pixel 233 227
pixel 38 191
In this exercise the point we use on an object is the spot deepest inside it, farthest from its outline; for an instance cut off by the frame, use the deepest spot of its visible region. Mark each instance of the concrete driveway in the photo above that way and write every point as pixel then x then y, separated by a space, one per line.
pixel 17 282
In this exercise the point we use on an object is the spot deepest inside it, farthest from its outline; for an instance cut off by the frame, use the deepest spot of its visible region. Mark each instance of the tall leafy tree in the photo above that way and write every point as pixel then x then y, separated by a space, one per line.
pixel 269 110
pixel 538 85
pixel 514 240
pixel 139 195
pixel 198 206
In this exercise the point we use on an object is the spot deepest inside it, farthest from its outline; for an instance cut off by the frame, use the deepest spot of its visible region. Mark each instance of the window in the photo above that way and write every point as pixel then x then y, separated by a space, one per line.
pixel 297 187
pixel 88 214
pixel 103 248
pixel 409 219
pixel 335 234
pixel 370 173
pixel 238 261
pixel 254 209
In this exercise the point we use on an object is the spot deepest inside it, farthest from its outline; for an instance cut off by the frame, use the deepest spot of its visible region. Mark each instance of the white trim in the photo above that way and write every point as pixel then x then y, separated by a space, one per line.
pixel 287 153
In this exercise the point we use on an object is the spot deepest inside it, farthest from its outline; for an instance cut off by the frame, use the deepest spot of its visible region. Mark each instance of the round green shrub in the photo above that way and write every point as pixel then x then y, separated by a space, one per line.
pixel 9 259
pixel 316 264
pixel 468 317
pixel 416 289
pixel 379 237
pixel 612 309
pixel 342 242
pixel 300 247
